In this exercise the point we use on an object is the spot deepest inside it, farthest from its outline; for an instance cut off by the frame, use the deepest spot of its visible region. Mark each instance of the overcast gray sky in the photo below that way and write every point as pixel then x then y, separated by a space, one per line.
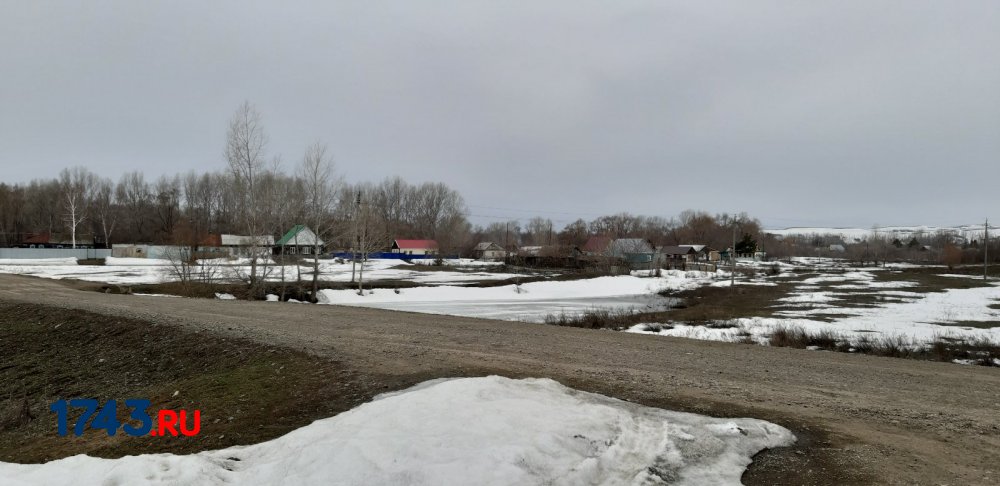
pixel 799 113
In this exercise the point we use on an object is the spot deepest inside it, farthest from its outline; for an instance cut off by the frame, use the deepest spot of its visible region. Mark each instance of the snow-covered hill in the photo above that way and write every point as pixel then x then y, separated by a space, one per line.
pixel 853 235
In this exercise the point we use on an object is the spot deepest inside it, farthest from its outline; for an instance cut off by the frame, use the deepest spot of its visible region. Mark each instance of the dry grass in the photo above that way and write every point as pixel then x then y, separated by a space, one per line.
pixel 981 350
pixel 597 319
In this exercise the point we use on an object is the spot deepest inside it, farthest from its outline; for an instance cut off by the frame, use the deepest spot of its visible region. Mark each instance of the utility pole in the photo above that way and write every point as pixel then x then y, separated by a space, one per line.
pixel 732 259
pixel 354 254
pixel 986 250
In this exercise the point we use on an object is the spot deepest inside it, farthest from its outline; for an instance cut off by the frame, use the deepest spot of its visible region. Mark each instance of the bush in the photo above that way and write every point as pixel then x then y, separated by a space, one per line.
pixel 594 319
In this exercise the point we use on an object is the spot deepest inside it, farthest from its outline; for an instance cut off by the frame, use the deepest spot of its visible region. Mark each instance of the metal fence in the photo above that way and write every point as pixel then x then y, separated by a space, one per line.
pixel 41 253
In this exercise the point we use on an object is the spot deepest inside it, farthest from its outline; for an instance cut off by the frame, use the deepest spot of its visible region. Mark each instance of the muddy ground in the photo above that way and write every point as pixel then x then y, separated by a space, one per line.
pixel 859 419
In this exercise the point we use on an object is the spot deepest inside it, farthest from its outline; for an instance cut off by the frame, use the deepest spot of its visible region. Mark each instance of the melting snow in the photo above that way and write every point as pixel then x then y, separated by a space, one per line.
pixel 489 430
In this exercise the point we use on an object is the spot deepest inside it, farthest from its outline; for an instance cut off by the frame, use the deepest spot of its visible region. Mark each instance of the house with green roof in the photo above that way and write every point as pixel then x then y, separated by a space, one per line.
pixel 300 240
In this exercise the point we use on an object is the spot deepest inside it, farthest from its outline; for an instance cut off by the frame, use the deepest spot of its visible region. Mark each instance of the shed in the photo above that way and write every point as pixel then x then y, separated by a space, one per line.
pixel 414 247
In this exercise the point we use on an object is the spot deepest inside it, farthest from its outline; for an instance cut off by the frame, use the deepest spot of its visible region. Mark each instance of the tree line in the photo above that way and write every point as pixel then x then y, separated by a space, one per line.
pixel 255 193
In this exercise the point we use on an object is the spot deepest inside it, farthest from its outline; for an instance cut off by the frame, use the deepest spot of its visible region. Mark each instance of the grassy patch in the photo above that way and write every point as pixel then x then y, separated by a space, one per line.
pixel 979 350
pixel 701 306
pixel 712 304
pixel 246 392
pixel 796 337
pixel 930 279
pixel 597 319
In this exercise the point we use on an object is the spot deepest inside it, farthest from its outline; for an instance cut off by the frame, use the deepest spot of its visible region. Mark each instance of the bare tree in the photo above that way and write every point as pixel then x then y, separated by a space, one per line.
pixel 245 146
pixel 167 207
pixel 106 208
pixel 12 213
pixel 320 188
pixel 539 231
pixel 391 199
pixel 371 237
pixel 77 185
pixel 133 194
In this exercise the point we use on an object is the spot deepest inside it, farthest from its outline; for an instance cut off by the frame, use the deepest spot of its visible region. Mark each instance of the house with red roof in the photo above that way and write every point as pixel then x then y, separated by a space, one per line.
pixel 414 247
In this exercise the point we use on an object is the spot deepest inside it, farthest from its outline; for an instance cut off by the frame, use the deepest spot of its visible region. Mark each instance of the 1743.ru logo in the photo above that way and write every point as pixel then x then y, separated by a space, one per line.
pixel 167 422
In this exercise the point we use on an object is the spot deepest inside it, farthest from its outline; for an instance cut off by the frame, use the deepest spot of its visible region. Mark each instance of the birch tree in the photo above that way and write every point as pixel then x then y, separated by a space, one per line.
pixel 245 145
pixel 320 188
pixel 77 186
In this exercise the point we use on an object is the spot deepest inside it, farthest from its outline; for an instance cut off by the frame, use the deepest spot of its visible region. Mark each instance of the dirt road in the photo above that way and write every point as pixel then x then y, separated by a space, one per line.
pixel 860 419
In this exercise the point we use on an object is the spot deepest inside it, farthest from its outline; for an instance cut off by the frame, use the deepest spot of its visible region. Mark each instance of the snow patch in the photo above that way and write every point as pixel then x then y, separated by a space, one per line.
pixel 490 430
pixel 135 262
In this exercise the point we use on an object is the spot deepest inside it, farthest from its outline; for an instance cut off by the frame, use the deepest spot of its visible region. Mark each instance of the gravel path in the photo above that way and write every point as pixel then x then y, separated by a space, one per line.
pixel 860 419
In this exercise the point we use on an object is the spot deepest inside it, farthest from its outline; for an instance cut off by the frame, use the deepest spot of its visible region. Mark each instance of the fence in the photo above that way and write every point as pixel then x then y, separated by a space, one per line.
pixel 41 253
pixel 391 256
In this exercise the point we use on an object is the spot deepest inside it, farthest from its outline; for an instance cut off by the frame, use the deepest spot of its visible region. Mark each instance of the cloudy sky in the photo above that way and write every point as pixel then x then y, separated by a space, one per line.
pixel 800 113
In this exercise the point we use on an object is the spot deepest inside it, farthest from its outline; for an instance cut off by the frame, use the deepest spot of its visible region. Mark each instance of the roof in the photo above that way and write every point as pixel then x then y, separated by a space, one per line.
pixel 488 245
pixel 212 239
pixel 697 248
pixel 415 244
pixel 46 238
pixel 39 238
pixel 631 245
pixel 241 240
pixel 678 250
pixel 305 237
pixel 529 250
pixel 597 244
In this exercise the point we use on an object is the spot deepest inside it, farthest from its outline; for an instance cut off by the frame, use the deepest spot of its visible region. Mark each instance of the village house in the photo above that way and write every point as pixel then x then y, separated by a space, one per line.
pixel 548 255
pixel 679 253
pixel 300 240
pixel 637 252
pixel 244 246
pixel 489 251
pixel 414 247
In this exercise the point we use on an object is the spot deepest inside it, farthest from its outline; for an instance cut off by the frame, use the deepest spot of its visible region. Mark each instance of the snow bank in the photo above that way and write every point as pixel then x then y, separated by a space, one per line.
pixel 135 262
pixel 489 430
pixel 574 289
pixel 37 261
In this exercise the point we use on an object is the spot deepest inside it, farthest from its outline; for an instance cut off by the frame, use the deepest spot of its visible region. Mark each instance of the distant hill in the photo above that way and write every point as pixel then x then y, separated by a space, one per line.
pixel 854 235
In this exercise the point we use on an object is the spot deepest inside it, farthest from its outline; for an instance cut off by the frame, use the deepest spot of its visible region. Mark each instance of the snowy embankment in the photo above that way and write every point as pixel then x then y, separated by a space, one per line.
pixel 489 430
pixel 527 302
